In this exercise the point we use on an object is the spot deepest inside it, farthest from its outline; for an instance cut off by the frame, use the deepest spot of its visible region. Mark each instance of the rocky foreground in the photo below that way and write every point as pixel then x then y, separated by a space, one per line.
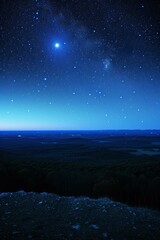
pixel 48 216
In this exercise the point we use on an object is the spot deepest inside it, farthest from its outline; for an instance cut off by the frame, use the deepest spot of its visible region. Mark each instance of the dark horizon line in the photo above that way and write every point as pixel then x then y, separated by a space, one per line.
pixel 75 130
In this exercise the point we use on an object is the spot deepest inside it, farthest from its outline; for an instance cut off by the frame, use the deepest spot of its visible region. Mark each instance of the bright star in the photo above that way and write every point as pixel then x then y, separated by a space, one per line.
pixel 57 45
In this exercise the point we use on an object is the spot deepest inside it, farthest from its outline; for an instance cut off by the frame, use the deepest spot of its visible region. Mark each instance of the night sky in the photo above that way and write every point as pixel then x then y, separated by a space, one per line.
pixel 74 64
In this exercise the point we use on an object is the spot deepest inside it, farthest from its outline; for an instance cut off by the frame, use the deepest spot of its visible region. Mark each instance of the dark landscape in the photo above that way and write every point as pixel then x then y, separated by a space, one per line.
pixel 121 165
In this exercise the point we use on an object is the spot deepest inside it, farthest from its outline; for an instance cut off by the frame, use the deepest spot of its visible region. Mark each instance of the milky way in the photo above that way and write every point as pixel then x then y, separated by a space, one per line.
pixel 79 64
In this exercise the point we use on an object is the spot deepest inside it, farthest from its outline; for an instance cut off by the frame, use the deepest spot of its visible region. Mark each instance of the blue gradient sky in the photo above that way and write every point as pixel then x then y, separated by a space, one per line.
pixel 105 74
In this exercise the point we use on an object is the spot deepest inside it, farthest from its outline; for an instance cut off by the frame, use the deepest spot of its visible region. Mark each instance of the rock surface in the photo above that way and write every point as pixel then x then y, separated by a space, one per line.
pixel 50 217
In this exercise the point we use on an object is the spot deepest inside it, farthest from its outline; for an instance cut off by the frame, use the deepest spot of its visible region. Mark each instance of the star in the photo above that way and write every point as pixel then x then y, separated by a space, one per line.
pixel 57 45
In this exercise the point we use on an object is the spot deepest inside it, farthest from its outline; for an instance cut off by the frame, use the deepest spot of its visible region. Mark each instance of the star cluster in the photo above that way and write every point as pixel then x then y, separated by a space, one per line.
pixel 71 64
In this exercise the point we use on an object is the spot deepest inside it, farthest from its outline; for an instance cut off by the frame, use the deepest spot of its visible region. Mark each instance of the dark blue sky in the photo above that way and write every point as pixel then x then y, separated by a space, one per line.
pixel 79 64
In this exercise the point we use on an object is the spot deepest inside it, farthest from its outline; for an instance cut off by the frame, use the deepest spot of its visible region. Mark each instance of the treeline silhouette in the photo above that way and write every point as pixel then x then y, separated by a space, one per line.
pixel 134 182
